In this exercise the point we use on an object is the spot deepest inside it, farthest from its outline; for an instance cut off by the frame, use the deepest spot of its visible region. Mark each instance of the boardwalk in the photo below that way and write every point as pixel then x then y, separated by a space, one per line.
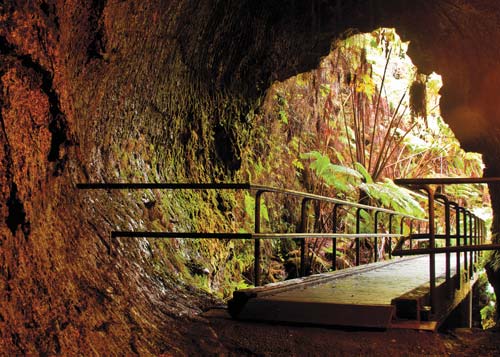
pixel 379 285
pixel 364 296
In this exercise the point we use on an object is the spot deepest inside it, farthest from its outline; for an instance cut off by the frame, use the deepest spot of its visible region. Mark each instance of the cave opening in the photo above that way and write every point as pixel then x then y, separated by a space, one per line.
pixel 364 117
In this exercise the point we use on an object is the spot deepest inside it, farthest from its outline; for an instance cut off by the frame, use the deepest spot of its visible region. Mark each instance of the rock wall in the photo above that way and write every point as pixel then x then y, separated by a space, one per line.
pixel 161 90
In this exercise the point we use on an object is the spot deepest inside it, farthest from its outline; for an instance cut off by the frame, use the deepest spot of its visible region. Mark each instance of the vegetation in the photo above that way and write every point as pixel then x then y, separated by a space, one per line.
pixel 347 129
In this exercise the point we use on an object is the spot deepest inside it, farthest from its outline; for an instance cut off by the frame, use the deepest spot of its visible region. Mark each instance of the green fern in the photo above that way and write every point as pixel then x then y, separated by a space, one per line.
pixel 339 177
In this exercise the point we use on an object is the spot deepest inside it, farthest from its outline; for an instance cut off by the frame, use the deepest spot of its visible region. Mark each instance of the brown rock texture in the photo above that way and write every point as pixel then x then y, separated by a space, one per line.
pixel 168 85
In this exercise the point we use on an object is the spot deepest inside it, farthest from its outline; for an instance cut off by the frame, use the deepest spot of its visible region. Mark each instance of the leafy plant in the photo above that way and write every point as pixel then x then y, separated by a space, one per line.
pixel 342 178
pixel 364 117
pixel 395 197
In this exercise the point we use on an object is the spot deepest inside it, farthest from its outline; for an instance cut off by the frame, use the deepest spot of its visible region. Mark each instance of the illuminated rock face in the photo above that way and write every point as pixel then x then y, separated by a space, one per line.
pixel 78 77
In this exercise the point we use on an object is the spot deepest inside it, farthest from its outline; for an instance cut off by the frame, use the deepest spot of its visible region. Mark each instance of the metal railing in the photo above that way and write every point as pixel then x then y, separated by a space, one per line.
pixel 257 235
pixel 469 229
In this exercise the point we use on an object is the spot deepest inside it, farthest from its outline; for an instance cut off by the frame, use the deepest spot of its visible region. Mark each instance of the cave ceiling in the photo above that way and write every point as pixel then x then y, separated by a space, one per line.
pixel 455 38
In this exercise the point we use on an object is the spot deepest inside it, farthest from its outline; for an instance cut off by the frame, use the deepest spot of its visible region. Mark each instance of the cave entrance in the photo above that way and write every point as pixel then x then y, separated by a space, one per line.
pixel 366 108
pixel 364 117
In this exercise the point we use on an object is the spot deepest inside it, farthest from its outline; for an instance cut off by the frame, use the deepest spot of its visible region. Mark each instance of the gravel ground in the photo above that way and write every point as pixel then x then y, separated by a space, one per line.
pixel 225 336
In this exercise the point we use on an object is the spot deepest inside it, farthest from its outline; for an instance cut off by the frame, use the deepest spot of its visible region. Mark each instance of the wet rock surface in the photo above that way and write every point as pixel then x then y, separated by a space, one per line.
pixel 86 87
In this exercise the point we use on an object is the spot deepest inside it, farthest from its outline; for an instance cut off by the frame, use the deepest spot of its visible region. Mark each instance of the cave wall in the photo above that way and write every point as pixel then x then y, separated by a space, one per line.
pixel 171 83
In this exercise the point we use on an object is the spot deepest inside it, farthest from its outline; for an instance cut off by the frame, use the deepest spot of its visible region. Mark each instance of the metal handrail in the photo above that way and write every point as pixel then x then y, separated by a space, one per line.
pixel 198 235
pixel 235 186
pixel 257 235
pixel 473 239
pixel 425 236
pixel 446 180
pixel 315 197
pixel 441 250
pixel 162 186
pixel 472 231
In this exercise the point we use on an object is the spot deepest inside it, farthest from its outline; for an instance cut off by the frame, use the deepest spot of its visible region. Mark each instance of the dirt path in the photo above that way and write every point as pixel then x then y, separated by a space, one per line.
pixel 262 339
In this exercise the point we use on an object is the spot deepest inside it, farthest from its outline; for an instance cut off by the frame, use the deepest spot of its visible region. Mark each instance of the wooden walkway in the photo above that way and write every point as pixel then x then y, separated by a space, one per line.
pixel 386 294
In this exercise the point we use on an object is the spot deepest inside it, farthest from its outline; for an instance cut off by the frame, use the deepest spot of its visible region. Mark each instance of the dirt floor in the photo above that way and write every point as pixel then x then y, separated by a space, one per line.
pixel 224 336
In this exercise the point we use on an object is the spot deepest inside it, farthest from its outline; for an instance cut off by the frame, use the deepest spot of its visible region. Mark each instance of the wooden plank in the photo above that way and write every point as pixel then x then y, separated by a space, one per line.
pixel 366 296
pixel 318 313
pixel 316 279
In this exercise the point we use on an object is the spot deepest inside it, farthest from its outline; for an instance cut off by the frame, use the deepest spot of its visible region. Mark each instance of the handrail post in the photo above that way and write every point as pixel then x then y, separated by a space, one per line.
pixel 478 221
pixel 401 230
pixel 471 254
pixel 258 199
pixel 432 244
pixel 334 240
pixel 483 231
pixel 303 229
pixel 472 239
pixel 475 239
pixel 375 244
pixel 401 225
pixel 447 237
pixel 466 263
pixel 457 243
pixel 478 236
pixel 482 234
pixel 411 233
pixel 390 232
pixel 358 228
pixel 474 218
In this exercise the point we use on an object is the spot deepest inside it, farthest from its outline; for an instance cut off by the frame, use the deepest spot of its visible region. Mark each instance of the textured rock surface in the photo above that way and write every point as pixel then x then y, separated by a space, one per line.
pixel 81 81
